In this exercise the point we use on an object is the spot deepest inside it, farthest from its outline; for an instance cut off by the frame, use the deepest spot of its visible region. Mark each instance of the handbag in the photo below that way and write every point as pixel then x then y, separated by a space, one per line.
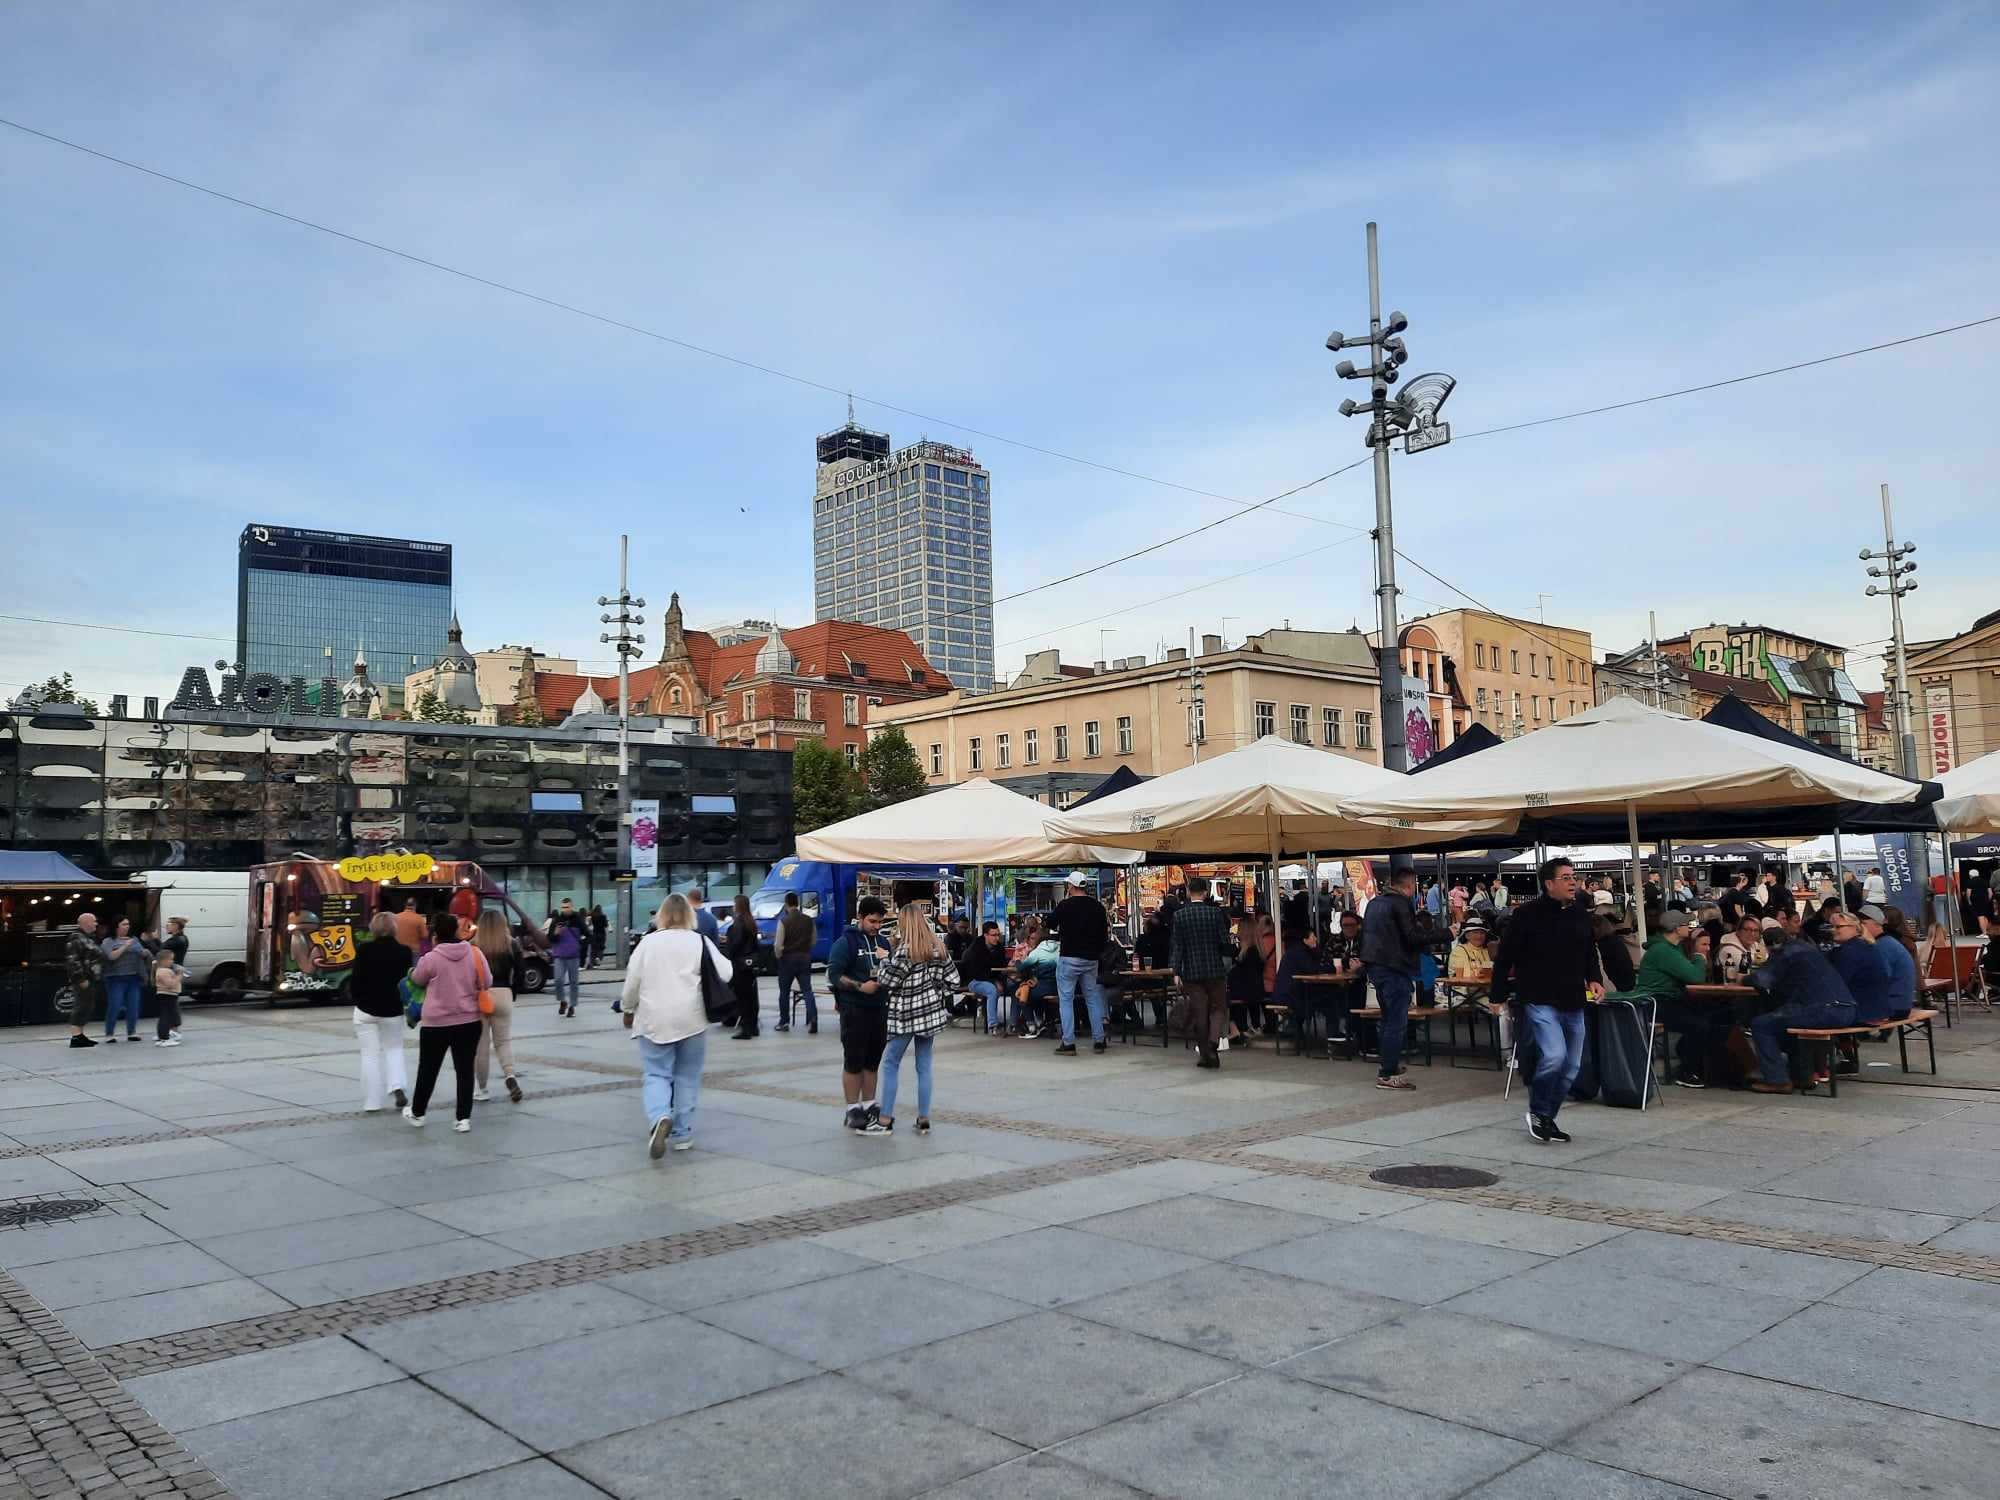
pixel 413 1000
pixel 718 1000
pixel 485 997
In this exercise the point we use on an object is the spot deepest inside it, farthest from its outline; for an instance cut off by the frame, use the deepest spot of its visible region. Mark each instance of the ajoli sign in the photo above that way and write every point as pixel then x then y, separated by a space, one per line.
pixel 1937 722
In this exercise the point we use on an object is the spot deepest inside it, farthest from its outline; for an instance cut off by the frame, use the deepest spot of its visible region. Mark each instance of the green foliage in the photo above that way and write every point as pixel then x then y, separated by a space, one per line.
pixel 62 690
pixel 433 710
pixel 823 788
pixel 889 769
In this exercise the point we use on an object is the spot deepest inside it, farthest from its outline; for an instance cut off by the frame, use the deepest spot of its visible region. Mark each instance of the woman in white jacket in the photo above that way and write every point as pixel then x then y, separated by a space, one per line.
pixel 664 1011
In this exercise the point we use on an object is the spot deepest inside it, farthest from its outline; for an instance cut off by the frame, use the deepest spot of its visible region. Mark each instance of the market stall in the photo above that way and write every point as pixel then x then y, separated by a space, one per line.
pixel 41 897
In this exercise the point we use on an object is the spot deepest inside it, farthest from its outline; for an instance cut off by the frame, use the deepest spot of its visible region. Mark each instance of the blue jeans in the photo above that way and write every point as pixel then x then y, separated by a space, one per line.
pixel 1767 1032
pixel 672 1084
pixel 565 975
pixel 1071 972
pixel 1393 992
pixel 121 993
pixel 891 1073
pixel 799 972
pixel 1558 1038
pixel 988 991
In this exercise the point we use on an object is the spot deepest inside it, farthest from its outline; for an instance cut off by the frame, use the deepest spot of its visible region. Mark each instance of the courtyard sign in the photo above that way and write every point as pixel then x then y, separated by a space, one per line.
pixel 260 693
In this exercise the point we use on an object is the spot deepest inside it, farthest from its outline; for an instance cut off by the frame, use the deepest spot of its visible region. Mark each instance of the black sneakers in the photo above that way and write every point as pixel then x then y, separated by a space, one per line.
pixel 1067 1049
pixel 1556 1132
pixel 77 1039
pixel 1539 1128
pixel 856 1118
pixel 877 1126
pixel 1691 1081
pixel 1097 1046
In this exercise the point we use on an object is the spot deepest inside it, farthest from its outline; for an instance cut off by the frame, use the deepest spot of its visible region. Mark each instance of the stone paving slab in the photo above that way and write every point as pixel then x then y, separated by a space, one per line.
pixel 251 1384
pixel 1233 1312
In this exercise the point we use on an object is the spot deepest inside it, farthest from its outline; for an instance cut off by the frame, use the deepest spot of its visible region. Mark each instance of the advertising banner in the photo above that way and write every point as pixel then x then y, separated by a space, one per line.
pixel 1937 728
pixel 646 838
pixel 1892 853
pixel 1419 736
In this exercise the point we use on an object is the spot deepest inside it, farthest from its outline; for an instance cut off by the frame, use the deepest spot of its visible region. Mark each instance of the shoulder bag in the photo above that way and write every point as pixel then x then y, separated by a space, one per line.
pixel 718 1000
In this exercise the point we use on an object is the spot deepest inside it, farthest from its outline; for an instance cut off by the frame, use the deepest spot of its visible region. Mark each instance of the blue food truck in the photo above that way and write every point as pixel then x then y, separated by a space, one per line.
pixel 827 894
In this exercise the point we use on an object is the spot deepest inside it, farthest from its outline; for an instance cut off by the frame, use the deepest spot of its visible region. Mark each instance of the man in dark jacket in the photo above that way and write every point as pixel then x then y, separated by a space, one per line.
pixel 1392 950
pixel 1199 950
pixel 983 968
pixel 792 938
pixel 1548 960
pixel 863 1009
pixel 1809 993
pixel 1081 926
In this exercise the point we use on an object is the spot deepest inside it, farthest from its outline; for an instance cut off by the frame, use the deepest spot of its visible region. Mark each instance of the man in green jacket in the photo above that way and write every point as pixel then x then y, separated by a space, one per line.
pixel 1665 972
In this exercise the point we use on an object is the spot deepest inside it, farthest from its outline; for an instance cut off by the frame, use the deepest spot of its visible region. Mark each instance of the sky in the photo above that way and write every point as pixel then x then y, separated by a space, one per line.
pixel 1120 235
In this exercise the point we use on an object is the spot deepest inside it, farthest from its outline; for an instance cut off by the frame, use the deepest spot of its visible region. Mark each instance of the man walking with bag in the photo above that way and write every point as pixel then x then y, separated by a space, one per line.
pixel 1548 960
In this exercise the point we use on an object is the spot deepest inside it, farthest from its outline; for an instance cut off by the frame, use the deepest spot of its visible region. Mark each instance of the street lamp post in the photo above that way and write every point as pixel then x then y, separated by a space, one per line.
pixel 1894 571
pixel 1411 416
pixel 628 643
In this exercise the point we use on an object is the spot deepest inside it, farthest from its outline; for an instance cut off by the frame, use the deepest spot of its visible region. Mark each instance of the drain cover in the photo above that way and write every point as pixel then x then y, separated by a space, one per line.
pixel 45 1211
pixel 1434 1177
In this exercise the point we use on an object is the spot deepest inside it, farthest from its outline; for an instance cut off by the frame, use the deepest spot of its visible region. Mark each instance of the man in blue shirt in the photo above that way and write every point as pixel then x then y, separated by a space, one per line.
pixel 863 1010
pixel 1902 994
pixel 704 919
pixel 1860 962
pixel 1809 993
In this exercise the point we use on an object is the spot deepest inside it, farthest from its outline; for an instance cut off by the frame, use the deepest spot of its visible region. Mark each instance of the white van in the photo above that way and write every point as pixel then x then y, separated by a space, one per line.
pixel 216 904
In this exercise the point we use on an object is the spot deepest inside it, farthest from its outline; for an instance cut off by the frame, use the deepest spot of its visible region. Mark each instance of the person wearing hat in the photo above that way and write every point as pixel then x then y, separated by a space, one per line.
pixel 1864 963
pixel 1876 922
pixel 1674 961
pixel 1081 928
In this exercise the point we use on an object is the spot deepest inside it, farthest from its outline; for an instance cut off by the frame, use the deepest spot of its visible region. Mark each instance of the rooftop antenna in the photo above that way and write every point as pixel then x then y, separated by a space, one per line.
pixel 850 408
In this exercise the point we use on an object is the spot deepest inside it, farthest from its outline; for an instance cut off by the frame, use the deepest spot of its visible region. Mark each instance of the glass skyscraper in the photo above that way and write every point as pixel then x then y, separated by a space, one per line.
pixel 306 599
pixel 905 539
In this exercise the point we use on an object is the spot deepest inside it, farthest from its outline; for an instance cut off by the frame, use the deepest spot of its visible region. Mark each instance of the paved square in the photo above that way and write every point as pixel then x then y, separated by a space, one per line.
pixel 1101 1279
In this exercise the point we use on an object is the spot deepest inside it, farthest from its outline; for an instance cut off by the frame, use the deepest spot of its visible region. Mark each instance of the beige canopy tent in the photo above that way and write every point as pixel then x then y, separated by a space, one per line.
pixel 1625 754
pixel 1971 801
pixel 973 823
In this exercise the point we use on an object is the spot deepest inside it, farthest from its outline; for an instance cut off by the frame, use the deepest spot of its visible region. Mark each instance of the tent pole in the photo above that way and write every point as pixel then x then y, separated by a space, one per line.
pixel 1950 923
pixel 1312 891
pixel 1839 869
pixel 1271 830
pixel 1638 873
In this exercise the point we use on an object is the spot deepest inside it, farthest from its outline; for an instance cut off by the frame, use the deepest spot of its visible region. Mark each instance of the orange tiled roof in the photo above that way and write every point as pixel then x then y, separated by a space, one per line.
pixel 826 648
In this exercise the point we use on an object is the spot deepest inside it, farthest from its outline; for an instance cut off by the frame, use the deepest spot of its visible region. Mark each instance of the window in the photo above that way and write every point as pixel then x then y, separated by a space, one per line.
pixel 1364 729
pixel 1003 750
pixel 853 757
pixel 972 750
pixel 749 703
pixel 1534 666
pixel 802 703
pixel 1124 734
pixel 1549 666
pixel 674 695
pixel 1031 749
pixel 1479 653
pixel 1329 728
pixel 1571 665
pixel 850 708
pixel 1093 745
pixel 1199 720
pixel 1481 699
pixel 1517 708
pixel 1302 733
pixel 1535 705
pixel 937 760
pixel 1062 742
pixel 1514 662
pixel 1267 718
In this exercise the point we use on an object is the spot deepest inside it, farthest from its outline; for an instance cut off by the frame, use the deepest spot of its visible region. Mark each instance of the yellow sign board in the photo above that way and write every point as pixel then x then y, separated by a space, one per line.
pixel 386 866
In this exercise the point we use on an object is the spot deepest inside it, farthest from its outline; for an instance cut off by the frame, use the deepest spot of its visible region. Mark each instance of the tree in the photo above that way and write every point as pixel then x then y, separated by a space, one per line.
pixel 529 715
pixel 823 789
pixel 889 769
pixel 62 690
pixel 434 710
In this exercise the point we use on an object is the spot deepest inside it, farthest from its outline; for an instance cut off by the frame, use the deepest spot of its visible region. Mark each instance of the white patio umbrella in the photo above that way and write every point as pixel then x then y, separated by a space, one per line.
pixel 1971 801
pixel 973 823
pixel 1625 754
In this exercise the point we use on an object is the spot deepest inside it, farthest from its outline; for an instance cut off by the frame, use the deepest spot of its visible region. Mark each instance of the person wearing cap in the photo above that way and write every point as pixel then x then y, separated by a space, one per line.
pixel 1081 928
pixel 1741 950
pixel 1877 924
pixel 1865 965
pixel 1672 964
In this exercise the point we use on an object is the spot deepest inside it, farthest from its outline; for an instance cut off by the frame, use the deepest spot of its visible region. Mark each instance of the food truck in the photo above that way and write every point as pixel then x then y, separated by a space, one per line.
pixel 309 917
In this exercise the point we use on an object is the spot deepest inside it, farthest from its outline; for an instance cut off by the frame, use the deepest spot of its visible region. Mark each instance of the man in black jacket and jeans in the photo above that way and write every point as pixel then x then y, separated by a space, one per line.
pixel 1391 948
pixel 1548 960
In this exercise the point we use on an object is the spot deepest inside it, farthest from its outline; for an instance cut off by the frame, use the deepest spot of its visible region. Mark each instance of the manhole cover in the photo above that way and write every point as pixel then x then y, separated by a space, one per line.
pixel 1434 1177
pixel 45 1211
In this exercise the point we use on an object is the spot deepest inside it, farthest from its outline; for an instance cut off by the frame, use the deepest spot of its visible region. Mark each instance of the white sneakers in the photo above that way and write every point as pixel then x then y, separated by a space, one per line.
pixel 684 1143
pixel 461 1126
pixel 170 1041
pixel 481 1096
pixel 416 1120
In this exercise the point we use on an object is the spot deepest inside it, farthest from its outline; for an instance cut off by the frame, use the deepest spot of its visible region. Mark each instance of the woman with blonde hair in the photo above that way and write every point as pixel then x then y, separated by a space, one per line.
pixel 920 981
pixel 668 1018
pixel 378 1014
pixel 496 1031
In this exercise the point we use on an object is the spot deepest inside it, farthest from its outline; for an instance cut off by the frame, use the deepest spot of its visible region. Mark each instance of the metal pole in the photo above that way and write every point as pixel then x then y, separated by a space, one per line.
pixel 1395 752
pixel 1638 870
pixel 1906 737
pixel 624 901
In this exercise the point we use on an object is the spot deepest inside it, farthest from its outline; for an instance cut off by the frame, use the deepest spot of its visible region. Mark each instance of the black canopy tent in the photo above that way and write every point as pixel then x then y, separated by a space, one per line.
pixel 1475 739
pixel 1117 781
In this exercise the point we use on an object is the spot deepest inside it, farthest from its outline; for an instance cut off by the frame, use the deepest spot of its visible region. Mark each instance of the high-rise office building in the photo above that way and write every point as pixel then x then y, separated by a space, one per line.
pixel 904 538
pixel 306 599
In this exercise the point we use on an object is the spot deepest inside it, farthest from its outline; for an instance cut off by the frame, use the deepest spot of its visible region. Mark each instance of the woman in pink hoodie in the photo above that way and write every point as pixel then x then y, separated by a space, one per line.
pixel 452 975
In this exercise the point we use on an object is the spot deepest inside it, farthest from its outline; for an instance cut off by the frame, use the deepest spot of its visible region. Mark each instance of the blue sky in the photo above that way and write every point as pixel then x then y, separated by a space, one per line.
pixel 1122 235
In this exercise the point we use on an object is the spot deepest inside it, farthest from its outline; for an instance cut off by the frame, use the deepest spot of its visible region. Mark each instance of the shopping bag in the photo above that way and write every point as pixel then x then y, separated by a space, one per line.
pixel 413 1000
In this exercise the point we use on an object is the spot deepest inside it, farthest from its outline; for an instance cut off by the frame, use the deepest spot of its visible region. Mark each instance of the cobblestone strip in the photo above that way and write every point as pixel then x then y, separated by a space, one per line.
pixel 68 1429
pixel 219 1341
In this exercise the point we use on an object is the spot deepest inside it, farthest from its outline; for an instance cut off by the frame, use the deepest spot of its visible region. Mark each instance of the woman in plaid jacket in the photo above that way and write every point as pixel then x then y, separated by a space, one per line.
pixel 921 981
